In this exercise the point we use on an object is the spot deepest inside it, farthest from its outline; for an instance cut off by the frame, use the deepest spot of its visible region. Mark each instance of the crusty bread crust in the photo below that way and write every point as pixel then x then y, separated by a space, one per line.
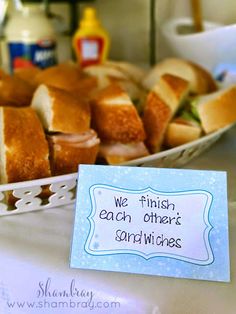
pixel 15 92
pixel 28 74
pixel 218 109
pixel 63 75
pixel 68 114
pixel 201 81
pixel 157 114
pixel 124 74
pixel 117 123
pixel 103 72
pixel 67 158
pixel 135 91
pixel 110 92
pixel 179 134
pixel 162 103
pixel 27 154
pixel 67 76
pixel 172 89
pixel 206 83
pixel 3 73
pixel 132 71
pixel 115 118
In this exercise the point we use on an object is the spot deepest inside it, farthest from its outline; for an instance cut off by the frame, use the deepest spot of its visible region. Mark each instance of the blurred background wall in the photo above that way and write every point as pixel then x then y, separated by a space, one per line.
pixel 128 23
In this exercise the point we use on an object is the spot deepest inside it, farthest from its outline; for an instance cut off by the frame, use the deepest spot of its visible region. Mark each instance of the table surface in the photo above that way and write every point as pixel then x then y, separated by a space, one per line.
pixel 35 250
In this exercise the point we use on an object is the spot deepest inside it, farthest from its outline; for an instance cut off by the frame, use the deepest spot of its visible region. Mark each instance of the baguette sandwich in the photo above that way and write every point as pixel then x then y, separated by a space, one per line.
pixel 28 74
pixel 67 123
pixel 118 125
pixel 217 109
pixel 202 115
pixel 201 81
pixel 15 92
pixel 24 148
pixel 161 105
pixel 67 76
pixel 130 70
pixel 181 130
pixel 119 73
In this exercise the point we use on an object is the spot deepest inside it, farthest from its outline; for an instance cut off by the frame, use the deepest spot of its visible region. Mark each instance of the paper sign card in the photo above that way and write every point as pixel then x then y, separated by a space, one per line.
pixel 167 222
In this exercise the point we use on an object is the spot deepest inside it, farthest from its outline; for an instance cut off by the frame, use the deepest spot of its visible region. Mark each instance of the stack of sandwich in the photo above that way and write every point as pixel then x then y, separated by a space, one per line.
pixel 45 130
pixel 118 125
pixel 194 104
pixel 66 120
pixel 55 119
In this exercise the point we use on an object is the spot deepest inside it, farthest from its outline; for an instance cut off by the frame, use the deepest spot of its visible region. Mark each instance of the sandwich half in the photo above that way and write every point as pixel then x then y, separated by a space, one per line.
pixel 116 120
pixel 217 109
pixel 200 80
pixel 202 115
pixel 60 111
pixel 15 92
pixel 161 105
pixel 131 70
pixel 182 130
pixel 24 148
pixel 126 75
pixel 67 151
pixel 67 76
pixel 66 121
pixel 28 74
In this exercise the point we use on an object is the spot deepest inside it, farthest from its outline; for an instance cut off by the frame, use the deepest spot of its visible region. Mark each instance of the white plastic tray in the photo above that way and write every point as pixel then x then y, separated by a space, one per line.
pixel 61 192
pixel 61 189
pixel 179 156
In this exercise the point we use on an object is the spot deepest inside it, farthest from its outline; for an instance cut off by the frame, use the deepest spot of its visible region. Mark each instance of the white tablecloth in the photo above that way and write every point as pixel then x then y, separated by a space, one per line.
pixel 34 264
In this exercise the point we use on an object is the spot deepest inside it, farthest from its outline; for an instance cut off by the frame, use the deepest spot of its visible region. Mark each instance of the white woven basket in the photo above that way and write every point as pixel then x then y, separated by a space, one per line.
pixel 179 156
pixel 61 189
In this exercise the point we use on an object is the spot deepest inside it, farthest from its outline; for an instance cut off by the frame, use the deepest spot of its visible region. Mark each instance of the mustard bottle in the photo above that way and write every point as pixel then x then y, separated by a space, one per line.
pixel 90 42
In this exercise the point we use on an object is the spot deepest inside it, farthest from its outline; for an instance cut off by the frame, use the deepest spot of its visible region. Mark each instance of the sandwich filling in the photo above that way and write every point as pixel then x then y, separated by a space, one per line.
pixel 127 151
pixel 79 140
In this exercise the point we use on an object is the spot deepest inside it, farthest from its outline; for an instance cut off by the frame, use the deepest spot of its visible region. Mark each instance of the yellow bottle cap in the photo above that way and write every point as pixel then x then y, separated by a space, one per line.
pixel 89 18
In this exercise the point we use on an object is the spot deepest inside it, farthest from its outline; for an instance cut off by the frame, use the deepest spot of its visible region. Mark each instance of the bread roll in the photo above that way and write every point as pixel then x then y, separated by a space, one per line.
pixel 63 75
pixel 24 149
pixel 15 92
pixel 180 132
pixel 60 111
pixel 28 75
pixel 121 74
pixel 114 116
pixel 161 106
pixel 67 123
pixel 201 81
pixel 131 70
pixel 67 151
pixel 173 90
pixel 118 125
pixel 218 109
